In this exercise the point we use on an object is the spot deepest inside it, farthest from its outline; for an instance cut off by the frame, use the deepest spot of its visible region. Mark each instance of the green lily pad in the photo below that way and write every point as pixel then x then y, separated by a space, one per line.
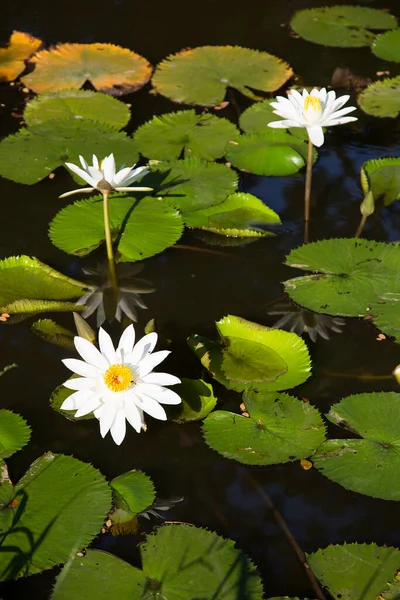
pixel 15 433
pixel 386 314
pixel 256 118
pixel 168 136
pixel 201 75
pixel 365 465
pixel 239 212
pixel 382 98
pixel 341 26
pixel 59 506
pixel 280 429
pixel 288 346
pixel 32 154
pixel 133 493
pixel 247 361
pixel 77 104
pixel 351 571
pixel 349 275
pixel 387 45
pixel 53 332
pixel 142 227
pixel 99 576
pixel 198 400
pixel 380 179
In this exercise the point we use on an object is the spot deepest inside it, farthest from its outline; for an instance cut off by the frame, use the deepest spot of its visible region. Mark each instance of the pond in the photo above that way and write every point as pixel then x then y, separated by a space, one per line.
pixel 273 512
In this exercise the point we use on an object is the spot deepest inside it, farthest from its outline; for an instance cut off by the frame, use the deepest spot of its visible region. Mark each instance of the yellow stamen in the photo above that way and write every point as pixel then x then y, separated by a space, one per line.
pixel 312 110
pixel 118 378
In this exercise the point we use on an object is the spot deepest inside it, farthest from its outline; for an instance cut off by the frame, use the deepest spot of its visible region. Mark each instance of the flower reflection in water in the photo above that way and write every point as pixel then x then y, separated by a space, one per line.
pixel 300 320
pixel 102 300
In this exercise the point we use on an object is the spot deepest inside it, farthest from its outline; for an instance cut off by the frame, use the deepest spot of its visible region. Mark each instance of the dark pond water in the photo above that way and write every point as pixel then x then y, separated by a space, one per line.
pixel 195 288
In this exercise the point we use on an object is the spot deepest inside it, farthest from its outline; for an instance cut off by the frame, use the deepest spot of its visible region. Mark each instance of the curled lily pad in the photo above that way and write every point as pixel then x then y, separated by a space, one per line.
pixel 167 136
pixel 198 400
pixel 387 45
pixel 12 58
pixel 201 75
pixel 109 68
pixel 279 429
pixel 77 104
pixel 380 179
pixel 133 493
pixel 366 464
pixel 382 98
pixel 343 26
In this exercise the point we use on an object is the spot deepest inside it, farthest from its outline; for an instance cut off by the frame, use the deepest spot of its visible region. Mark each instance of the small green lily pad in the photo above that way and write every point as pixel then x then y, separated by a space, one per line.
pixel 387 45
pixel 382 98
pixel 198 400
pixel 133 493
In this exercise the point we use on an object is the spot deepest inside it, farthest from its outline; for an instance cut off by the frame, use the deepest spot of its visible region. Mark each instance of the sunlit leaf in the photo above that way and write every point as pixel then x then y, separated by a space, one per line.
pixel 60 505
pixel 53 332
pixel 168 136
pixel 382 98
pixel 392 590
pixel 198 400
pixel 355 571
pixel 386 314
pixel 201 75
pixel 248 361
pixel 32 154
pixel 77 104
pixel 349 275
pixel 366 464
pixel 142 226
pixel 12 58
pixel 109 68
pixel 133 493
pixel 387 45
pixel 14 433
pixel 280 429
pixel 343 26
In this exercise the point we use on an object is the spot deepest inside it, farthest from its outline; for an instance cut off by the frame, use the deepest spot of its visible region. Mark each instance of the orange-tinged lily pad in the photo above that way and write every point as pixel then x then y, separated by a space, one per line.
pixel 21 46
pixel 110 69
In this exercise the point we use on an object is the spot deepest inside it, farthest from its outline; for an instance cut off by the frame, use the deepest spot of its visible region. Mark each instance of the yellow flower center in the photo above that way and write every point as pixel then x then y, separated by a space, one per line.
pixel 312 110
pixel 118 378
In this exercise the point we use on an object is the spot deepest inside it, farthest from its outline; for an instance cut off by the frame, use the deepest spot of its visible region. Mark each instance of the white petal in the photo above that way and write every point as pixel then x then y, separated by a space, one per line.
pixel 95 161
pixel 316 135
pixel 107 418
pixel 151 407
pixel 118 428
pixel 81 173
pixel 340 113
pixel 136 174
pixel 89 406
pixel 78 191
pixel 108 168
pixel 160 379
pixel 80 367
pixel 158 393
pixel 330 100
pixel 89 353
pixel 134 416
pixel 83 162
pixel 147 364
pixel 285 124
pixel 289 113
pixel 84 383
pixel 322 96
pixel 340 121
pixel 95 174
pixel 133 189
pixel 126 342
pixel 76 400
pixel 341 101
pixel 106 346
pixel 296 99
pixel 143 347
pixel 122 175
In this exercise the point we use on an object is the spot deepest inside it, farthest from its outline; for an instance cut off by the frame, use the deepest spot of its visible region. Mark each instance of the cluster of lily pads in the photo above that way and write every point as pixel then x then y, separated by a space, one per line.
pixel 188 180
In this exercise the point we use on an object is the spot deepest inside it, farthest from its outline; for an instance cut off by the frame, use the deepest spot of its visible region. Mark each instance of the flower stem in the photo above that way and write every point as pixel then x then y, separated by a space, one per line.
pixel 307 192
pixel 361 226
pixel 110 252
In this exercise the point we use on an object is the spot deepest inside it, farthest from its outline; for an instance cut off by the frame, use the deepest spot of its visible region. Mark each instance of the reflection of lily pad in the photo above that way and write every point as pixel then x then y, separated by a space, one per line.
pixel 32 154
pixel 77 104
pixel 19 49
pixel 201 75
pixel 109 68
pixel 355 571
pixel 167 136
pixel 365 465
pixel 54 333
pixel 387 45
pixel 382 98
pixel 280 429
pixel 343 26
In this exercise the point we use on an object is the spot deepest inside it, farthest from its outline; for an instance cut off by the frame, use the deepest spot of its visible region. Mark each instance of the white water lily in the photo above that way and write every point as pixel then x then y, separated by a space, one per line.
pixel 313 110
pixel 118 385
pixel 103 176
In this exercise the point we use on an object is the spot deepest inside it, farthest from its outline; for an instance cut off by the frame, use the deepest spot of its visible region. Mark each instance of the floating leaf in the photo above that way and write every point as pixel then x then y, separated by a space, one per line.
pixel 247 361
pixel 380 178
pixel 143 226
pixel 180 560
pixel 133 493
pixel 60 505
pixel 342 26
pixel 32 154
pixel 355 571
pixel 256 118
pixel 198 400
pixel 382 98
pixel 80 578
pixel 365 465
pixel 387 45
pixel 26 282
pixel 386 314
pixel 349 275
pixel 288 346
pixel 14 433
pixel 280 429
pixel 192 184
pixel 167 136
pixel 77 104
pixel 21 46
pixel 53 332
pixel 201 75
pixel 109 68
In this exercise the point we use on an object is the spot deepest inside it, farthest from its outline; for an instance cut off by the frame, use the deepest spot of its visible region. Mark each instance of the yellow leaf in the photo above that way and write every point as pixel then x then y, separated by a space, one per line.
pixel 21 46
pixel 110 69
pixel 306 464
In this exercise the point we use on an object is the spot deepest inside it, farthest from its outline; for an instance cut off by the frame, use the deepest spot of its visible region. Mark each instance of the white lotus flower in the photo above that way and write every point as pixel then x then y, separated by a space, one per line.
pixel 103 176
pixel 118 385
pixel 313 110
